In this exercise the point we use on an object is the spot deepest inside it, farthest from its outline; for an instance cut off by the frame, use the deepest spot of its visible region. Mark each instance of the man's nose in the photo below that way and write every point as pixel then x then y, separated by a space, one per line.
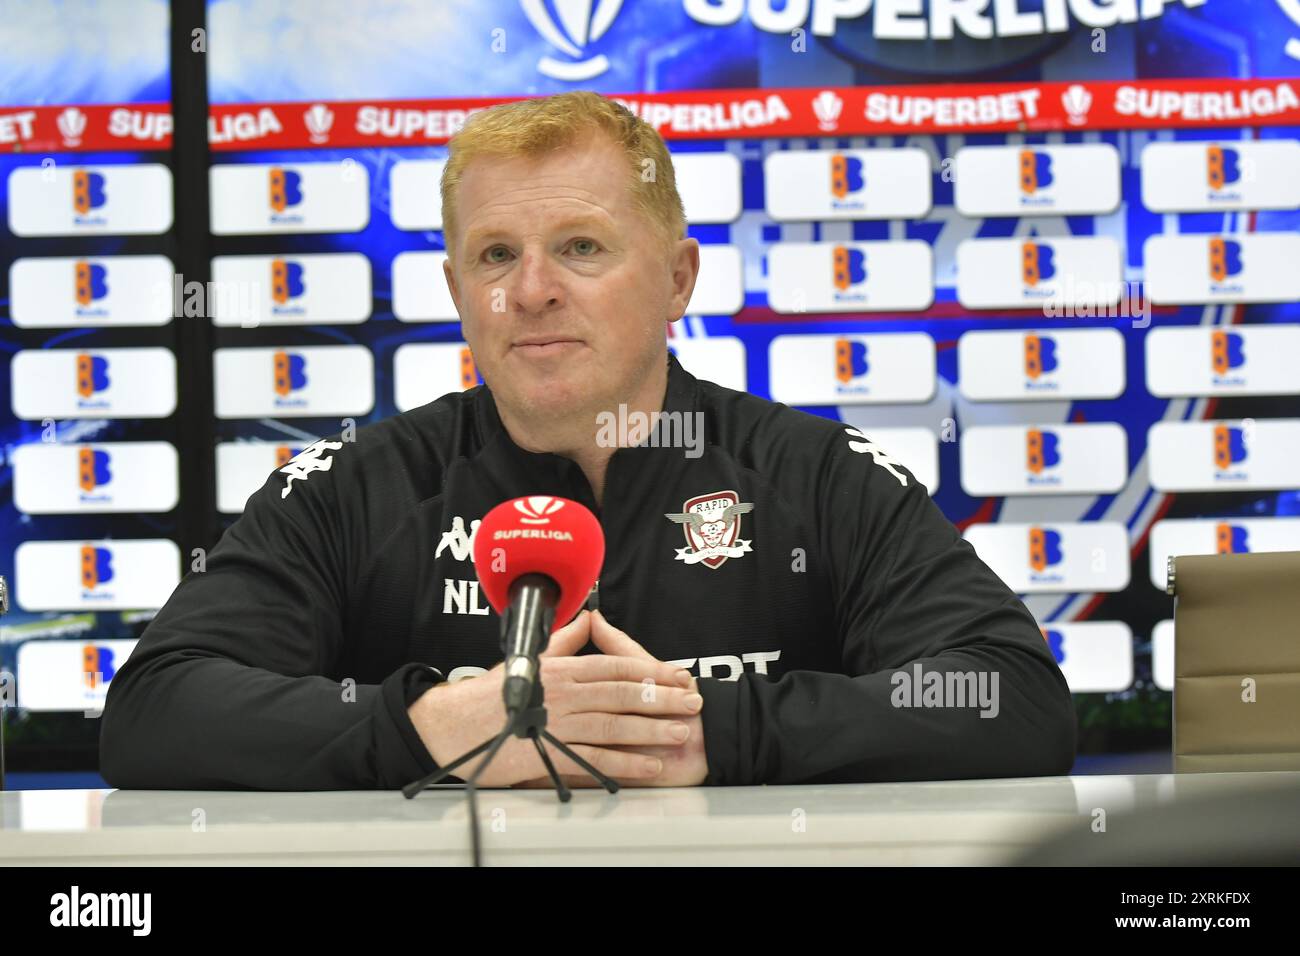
pixel 537 286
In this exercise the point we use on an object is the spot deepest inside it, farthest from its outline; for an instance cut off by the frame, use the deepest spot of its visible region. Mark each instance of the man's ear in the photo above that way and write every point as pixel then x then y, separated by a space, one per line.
pixel 685 268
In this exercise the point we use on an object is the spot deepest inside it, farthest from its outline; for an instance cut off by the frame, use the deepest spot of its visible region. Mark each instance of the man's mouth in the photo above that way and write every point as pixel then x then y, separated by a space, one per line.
pixel 545 347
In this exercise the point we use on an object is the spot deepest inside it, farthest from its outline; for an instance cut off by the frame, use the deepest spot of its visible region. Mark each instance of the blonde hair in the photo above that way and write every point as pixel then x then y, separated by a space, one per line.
pixel 534 126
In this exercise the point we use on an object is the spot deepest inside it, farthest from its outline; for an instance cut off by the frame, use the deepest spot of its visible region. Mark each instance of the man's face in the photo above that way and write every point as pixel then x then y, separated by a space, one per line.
pixel 563 287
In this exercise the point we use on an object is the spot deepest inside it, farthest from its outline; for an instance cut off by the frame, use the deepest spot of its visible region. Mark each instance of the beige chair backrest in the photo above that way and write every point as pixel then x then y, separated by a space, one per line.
pixel 1236 661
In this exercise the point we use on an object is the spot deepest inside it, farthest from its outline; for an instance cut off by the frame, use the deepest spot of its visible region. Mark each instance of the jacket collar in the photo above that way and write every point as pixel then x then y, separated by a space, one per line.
pixel 680 396
pixel 549 470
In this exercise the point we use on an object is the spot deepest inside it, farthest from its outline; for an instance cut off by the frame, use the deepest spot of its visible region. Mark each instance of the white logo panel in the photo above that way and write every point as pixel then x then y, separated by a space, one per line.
pixel 100 477
pixel 850 276
pixel 1162 655
pixel 298 197
pixel 1231 175
pixel 1014 366
pixel 1074 458
pixel 423 372
pixel 1078 273
pixel 1225 455
pixel 244 466
pixel 420 292
pixel 1254 267
pixel 301 381
pixel 109 575
pixel 805 185
pixel 916 449
pixel 415 193
pixel 90 200
pixel 95 383
pixel 1233 360
pixel 709 184
pixel 1056 557
pixel 325 288
pixel 58 675
pixel 719 359
pixel 1074 179
pixel 95 291
pixel 896 367
pixel 1096 657
pixel 720 286
pixel 1177 536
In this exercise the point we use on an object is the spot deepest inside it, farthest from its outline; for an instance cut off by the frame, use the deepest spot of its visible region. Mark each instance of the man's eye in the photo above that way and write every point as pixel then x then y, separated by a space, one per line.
pixel 490 253
pixel 585 247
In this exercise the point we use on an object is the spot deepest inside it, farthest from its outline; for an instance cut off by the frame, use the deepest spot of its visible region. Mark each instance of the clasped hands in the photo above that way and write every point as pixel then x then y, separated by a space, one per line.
pixel 635 718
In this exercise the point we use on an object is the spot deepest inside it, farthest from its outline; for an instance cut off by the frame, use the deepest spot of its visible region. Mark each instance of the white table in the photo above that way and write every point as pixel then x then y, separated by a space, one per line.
pixel 983 822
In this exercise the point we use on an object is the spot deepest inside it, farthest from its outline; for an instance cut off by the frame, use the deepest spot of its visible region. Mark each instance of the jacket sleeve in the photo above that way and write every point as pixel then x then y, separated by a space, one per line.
pixel 910 592
pixel 224 689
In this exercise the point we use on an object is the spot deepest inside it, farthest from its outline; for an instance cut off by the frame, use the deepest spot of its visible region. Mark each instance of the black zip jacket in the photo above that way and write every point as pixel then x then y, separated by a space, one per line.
pixel 814 589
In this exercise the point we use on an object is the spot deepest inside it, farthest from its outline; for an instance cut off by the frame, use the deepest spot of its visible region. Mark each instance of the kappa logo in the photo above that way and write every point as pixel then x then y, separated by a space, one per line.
pixel 460 543
pixel 865 446
pixel 307 461
pixel 712 526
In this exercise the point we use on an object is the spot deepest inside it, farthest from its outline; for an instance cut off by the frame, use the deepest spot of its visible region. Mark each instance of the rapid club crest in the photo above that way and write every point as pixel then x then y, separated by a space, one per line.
pixel 711 524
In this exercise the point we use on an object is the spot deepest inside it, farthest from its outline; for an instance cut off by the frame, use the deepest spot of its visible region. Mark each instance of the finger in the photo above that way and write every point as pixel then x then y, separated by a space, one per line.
pixel 602 667
pixel 622 697
pixel 612 763
pixel 612 641
pixel 627 730
pixel 571 638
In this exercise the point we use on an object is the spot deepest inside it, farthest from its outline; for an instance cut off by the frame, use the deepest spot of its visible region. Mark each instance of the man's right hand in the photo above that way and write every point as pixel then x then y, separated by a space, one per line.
pixel 594 702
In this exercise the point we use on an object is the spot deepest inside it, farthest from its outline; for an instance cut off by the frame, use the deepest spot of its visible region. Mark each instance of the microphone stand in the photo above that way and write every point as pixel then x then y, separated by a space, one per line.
pixel 526 723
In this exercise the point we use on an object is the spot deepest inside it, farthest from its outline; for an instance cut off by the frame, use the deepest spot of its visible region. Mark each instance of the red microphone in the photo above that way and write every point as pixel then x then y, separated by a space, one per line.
pixel 536 559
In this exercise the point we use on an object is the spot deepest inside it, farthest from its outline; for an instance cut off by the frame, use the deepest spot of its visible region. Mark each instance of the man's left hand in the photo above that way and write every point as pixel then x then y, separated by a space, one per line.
pixel 683 766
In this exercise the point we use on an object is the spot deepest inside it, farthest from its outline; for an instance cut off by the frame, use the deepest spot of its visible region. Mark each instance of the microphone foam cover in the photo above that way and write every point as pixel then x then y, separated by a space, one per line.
pixel 539 534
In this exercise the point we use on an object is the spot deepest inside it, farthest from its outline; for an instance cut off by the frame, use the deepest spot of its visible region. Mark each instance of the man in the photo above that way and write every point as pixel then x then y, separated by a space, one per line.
pixel 784 586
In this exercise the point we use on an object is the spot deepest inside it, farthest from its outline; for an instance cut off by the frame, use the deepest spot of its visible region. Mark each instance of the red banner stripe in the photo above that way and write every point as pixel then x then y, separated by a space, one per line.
pixel 85 129
pixel 695 114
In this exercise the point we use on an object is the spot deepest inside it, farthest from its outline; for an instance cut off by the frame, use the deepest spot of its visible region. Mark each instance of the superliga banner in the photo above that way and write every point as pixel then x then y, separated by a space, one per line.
pixel 596 44
pixel 704 114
